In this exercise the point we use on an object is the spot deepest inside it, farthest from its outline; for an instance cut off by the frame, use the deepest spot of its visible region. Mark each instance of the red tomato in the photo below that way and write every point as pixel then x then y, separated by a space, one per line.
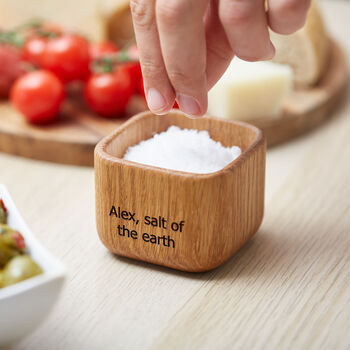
pixel 33 50
pixel 43 29
pixel 134 70
pixel 102 48
pixel 109 93
pixel 10 68
pixel 68 57
pixel 38 95
pixel 133 66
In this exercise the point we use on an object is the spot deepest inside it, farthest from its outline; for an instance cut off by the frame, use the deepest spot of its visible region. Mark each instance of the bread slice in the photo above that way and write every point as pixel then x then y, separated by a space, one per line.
pixel 306 51
pixel 118 21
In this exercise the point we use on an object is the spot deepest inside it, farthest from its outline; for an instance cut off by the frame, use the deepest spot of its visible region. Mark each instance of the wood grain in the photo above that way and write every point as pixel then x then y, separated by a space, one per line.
pixel 287 288
pixel 214 214
pixel 73 139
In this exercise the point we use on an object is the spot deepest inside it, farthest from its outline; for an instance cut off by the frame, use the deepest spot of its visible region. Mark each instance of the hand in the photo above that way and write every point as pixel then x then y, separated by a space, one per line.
pixel 186 45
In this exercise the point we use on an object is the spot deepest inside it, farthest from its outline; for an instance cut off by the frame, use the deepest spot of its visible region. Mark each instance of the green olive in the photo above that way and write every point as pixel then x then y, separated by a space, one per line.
pixel 3 216
pixel 1 278
pixel 5 229
pixel 20 268
pixel 6 253
pixel 13 239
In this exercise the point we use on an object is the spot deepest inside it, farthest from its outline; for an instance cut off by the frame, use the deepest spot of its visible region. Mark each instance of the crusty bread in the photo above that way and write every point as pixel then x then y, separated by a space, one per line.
pixel 118 21
pixel 306 51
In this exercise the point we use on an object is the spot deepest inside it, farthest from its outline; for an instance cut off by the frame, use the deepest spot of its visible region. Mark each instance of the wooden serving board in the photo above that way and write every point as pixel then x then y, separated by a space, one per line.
pixel 304 109
pixel 72 140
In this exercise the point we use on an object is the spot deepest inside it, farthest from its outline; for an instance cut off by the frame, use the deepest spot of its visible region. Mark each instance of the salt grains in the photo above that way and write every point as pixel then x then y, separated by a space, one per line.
pixel 184 150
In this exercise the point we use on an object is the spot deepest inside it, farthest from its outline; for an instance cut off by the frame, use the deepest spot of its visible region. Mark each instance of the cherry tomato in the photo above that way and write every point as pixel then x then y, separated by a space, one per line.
pixel 102 48
pixel 44 29
pixel 109 93
pixel 68 57
pixel 34 49
pixel 10 68
pixel 38 95
pixel 134 69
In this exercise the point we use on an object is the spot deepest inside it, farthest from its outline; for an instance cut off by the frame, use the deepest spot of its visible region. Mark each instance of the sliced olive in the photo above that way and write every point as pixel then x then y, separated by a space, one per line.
pixel 6 253
pixel 13 239
pixel 5 229
pixel 20 268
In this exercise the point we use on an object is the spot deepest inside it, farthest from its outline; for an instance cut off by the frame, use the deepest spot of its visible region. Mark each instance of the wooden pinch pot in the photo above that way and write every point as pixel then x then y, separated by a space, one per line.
pixel 186 221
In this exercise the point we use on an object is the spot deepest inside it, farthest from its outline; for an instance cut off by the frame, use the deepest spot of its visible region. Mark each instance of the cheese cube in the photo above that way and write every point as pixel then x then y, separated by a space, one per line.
pixel 250 90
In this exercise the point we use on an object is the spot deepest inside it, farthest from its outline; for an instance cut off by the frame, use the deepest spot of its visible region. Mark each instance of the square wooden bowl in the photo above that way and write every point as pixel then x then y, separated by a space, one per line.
pixel 186 221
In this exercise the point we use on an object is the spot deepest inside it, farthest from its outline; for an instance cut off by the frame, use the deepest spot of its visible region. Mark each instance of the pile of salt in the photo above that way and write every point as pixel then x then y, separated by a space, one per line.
pixel 186 150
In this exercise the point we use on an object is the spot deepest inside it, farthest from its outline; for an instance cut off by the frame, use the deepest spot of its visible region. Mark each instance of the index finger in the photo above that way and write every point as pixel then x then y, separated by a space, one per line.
pixel 158 90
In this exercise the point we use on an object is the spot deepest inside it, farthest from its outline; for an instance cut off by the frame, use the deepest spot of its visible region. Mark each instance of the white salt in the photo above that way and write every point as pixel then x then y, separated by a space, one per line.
pixel 184 150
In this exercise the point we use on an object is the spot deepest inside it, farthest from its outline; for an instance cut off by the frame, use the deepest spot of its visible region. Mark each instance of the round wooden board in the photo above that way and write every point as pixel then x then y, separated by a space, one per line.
pixel 72 140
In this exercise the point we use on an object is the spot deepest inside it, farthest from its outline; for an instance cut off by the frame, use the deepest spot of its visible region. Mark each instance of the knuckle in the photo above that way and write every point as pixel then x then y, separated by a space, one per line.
pixel 185 81
pixel 178 77
pixel 170 11
pixel 141 12
pixel 151 68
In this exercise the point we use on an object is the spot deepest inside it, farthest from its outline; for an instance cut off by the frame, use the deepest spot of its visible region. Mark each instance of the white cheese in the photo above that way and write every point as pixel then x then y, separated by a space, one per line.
pixel 250 90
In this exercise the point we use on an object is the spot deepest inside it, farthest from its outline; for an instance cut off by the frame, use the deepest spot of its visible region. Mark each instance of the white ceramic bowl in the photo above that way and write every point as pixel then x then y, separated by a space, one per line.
pixel 25 305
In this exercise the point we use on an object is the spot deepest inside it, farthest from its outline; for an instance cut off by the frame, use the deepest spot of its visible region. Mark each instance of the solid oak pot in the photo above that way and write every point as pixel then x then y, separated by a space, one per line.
pixel 186 221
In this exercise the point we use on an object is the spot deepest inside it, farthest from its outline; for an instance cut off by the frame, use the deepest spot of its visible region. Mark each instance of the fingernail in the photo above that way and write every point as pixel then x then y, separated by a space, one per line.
pixel 188 105
pixel 156 102
pixel 270 52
